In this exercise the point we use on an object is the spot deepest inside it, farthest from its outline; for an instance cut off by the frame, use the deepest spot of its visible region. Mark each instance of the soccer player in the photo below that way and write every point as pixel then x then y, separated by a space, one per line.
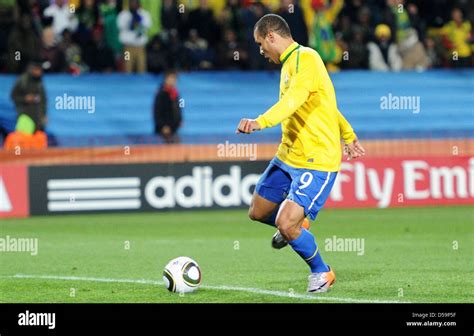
pixel 297 182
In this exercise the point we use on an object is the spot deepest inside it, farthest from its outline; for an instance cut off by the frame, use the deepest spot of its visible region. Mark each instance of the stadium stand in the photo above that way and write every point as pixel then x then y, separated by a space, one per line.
pixel 123 105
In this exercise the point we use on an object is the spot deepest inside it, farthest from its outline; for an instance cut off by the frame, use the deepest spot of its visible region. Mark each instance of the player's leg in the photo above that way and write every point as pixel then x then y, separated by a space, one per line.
pixel 303 242
pixel 308 193
pixel 279 241
pixel 289 220
pixel 263 210
pixel 271 189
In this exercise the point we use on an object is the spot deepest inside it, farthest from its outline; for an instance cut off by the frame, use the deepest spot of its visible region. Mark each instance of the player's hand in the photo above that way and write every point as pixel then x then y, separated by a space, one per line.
pixel 247 126
pixel 354 149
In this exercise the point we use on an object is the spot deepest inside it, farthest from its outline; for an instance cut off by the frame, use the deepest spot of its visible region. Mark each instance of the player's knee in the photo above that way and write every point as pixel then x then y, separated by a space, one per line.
pixel 256 215
pixel 287 226
pixel 284 226
pixel 253 214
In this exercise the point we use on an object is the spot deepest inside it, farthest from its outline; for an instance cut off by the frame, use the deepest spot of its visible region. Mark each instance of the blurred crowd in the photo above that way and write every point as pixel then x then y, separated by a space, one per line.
pixel 79 36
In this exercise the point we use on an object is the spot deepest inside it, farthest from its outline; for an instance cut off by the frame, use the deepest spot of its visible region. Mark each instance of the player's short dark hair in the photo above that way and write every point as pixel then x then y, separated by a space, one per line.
pixel 272 23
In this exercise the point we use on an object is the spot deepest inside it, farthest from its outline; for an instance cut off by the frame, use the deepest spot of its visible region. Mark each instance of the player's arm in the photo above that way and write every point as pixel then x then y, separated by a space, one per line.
pixel 298 92
pixel 352 146
pixel 293 99
pixel 300 88
pixel 347 133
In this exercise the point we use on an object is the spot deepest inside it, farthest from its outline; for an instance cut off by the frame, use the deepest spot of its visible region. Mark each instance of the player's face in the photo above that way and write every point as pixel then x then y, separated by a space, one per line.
pixel 266 47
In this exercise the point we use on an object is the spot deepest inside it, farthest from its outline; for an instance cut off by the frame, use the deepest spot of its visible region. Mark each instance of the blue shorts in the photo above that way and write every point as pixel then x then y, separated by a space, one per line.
pixel 306 187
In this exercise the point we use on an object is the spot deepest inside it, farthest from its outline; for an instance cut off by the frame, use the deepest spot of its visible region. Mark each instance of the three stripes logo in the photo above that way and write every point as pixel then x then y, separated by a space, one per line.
pixel 118 193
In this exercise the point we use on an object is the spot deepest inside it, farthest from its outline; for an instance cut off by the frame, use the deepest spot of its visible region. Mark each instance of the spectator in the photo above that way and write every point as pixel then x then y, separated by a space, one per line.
pixel 401 17
pixel 166 110
pixel 344 27
pixel 88 17
pixel 7 23
pixel 51 52
pixel 397 19
pixel 72 54
pixel 29 96
pixel 293 14
pixel 434 52
pixel 156 55
pixel 364 18
pixel 230 18
pixel 133 25
pixel 329 26
pixel 201 56
pixel 35 9
pixel 383 55
pixel 250 16
pixel 171 18
pixel 108 18
pixel 323 40
pixel 231 54
pixel 435 12
pixel 413 52
pixel 176 53
pixel 98 56
pixel 417 22
pixel 23 45
pixel 351 9
pixel 358 53
pixel 63 17
pixel 457 35
pixel 202 20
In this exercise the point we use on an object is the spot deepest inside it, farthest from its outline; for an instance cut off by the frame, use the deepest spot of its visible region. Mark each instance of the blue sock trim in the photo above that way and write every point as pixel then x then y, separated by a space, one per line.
pixel 306 247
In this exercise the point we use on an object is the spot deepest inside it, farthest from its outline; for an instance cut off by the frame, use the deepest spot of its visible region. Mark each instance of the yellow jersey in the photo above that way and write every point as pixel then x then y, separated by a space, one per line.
pixel 459 37
pixel 312 126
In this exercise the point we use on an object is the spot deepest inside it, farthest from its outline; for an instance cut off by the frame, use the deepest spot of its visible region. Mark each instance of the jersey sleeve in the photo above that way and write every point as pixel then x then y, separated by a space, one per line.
pixel 301 85
pixel 346 131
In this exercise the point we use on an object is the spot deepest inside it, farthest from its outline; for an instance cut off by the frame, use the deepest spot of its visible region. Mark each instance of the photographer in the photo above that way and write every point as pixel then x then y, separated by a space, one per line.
pixel 29 96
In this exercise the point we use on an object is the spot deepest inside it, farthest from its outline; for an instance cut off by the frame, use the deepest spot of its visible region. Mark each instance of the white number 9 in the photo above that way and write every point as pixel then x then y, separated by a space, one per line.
pixel 306 180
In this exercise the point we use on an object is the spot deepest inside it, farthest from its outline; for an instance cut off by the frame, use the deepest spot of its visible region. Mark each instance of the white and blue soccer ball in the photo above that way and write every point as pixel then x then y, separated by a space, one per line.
pixel 182 275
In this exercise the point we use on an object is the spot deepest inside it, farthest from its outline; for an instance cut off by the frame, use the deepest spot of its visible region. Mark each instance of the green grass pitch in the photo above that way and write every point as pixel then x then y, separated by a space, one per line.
pixel 410 255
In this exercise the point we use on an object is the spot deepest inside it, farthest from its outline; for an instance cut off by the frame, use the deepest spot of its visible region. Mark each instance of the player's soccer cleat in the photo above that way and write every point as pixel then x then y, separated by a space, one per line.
pixel 278 242
pixel 321 282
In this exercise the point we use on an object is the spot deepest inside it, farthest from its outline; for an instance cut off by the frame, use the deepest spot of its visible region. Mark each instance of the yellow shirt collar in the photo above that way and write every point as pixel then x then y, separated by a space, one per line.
pixel 288 51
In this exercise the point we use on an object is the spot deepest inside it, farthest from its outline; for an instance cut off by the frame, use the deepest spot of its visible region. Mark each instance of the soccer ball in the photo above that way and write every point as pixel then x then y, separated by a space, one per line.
pixel 182 275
